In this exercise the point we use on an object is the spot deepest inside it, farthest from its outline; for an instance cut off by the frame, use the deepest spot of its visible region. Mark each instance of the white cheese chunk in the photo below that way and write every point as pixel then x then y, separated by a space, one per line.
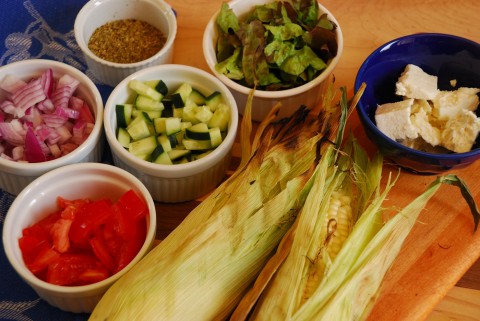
pixel 415 83
pixel 461 132
pixel 447 104
pixel 393 119
pixel 421 122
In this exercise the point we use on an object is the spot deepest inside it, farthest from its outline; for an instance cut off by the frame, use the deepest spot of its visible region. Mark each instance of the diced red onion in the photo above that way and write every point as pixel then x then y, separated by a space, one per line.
pixel 28 96
pixel 67 112
pixel 5 156
pixel 34 116
pixel 46 105
pixel 64 133
pixel 42 117
pixel 55 150
pixel 47 82
pixel 34 152
pixel 67 80
pixel 9 134
pixel 54 121
pixel 54 137
pixel 8 107
pixel 79 128
pixel 11 83
pixel 61 96
pixel 17 153
pixel 43 132
pixel 75 103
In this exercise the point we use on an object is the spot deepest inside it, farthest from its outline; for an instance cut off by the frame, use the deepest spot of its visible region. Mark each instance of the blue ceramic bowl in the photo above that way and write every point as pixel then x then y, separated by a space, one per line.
pixel 446 56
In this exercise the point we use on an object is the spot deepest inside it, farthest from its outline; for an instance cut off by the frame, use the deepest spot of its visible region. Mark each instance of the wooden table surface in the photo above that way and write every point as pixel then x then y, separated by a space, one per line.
pixel 437 276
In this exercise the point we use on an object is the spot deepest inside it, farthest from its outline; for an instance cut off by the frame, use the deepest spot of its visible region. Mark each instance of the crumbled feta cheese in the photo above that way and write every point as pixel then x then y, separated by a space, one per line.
pixel 447 104
pixel 428 116
pixel 393 119
pixel 415 83
pixel 420 120
pixel 461 132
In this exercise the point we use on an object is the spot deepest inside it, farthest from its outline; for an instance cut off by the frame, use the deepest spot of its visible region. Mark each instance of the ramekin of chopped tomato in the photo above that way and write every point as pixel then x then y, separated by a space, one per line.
pixel 75 230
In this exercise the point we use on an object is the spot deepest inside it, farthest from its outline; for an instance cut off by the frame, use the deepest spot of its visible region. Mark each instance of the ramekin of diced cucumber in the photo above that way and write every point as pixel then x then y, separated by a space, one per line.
pixel 171 125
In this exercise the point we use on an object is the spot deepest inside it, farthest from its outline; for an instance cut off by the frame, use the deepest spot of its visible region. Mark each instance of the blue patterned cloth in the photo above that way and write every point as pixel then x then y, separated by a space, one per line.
pixel 35 29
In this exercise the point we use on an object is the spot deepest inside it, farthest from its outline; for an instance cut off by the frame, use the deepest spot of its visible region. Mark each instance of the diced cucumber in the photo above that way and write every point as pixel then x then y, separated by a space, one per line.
pixel 167 108
pixel 173 140
pixel 185 124
pixel 158 85
pixel 176 154
pixel 220 118
pixel 182 160
pixel 203 114
pixel 141 127
pixel 177 100
pixel 164 141
pixel 144 90
pixel 160 156
pixel 167 126
pixel 180 95
pixel 178 112
pixel 179 137
pixel 171 129
pixel 123 137
pixel 124 114
pixel 144 146
pixel 215 136
pixel 188 114
pixel 214 100
pixel 196 97
pixel 151 113
pixel 193 144
pixel 147 104
pixel 198 131
pixel 201 155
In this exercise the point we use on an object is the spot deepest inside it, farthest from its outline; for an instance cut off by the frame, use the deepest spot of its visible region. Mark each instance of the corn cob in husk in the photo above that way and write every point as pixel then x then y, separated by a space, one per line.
pixel 341 248
pixel 203 268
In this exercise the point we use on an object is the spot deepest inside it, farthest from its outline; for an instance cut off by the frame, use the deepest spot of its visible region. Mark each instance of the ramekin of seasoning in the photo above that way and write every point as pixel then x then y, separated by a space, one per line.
pixel 120 37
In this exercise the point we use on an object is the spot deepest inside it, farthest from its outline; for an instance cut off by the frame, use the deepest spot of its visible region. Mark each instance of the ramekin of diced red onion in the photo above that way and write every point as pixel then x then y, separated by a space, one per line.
pixel 51 115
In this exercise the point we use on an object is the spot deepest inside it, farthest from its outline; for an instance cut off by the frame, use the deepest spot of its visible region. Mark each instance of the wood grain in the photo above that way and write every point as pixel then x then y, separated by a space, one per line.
pixel 442 250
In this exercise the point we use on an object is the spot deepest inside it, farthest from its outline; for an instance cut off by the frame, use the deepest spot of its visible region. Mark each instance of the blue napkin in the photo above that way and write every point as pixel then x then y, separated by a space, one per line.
pixel 28 30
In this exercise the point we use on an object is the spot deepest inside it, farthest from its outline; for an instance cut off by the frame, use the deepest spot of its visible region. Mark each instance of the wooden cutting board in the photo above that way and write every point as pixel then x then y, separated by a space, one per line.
pixel 442 246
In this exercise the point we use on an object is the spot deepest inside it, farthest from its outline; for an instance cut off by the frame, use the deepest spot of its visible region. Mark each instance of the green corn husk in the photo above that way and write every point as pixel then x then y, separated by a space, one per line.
pixel 355 296
pixel 203 268
pixel 310 258
pixel 311 284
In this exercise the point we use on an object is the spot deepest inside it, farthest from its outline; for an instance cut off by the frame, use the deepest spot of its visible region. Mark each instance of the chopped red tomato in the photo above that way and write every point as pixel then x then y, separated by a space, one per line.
pixel 91 217
pixel 85 241
pixel 43 259
pixel 131 246
pixel 59 233
pixel 101 251
pixel 134 204
pixel 69 269
pixel 30 246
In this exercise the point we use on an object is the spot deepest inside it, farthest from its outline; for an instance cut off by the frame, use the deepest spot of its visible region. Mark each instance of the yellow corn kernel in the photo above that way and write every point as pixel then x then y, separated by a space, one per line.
pixel 338 223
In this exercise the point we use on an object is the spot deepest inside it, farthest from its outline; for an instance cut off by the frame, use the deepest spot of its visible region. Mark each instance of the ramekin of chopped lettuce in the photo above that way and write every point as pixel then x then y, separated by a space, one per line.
pixel 285 50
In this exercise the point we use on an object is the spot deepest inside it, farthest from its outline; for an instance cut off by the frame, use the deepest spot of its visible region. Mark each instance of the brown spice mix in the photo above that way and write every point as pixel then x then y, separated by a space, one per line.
pixel 126 41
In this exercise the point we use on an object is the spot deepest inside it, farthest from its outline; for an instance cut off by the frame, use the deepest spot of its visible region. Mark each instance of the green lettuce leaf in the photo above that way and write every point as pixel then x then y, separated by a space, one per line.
pixel 303 58
pixel 227 20
pixel 285 32
pixel 232 66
